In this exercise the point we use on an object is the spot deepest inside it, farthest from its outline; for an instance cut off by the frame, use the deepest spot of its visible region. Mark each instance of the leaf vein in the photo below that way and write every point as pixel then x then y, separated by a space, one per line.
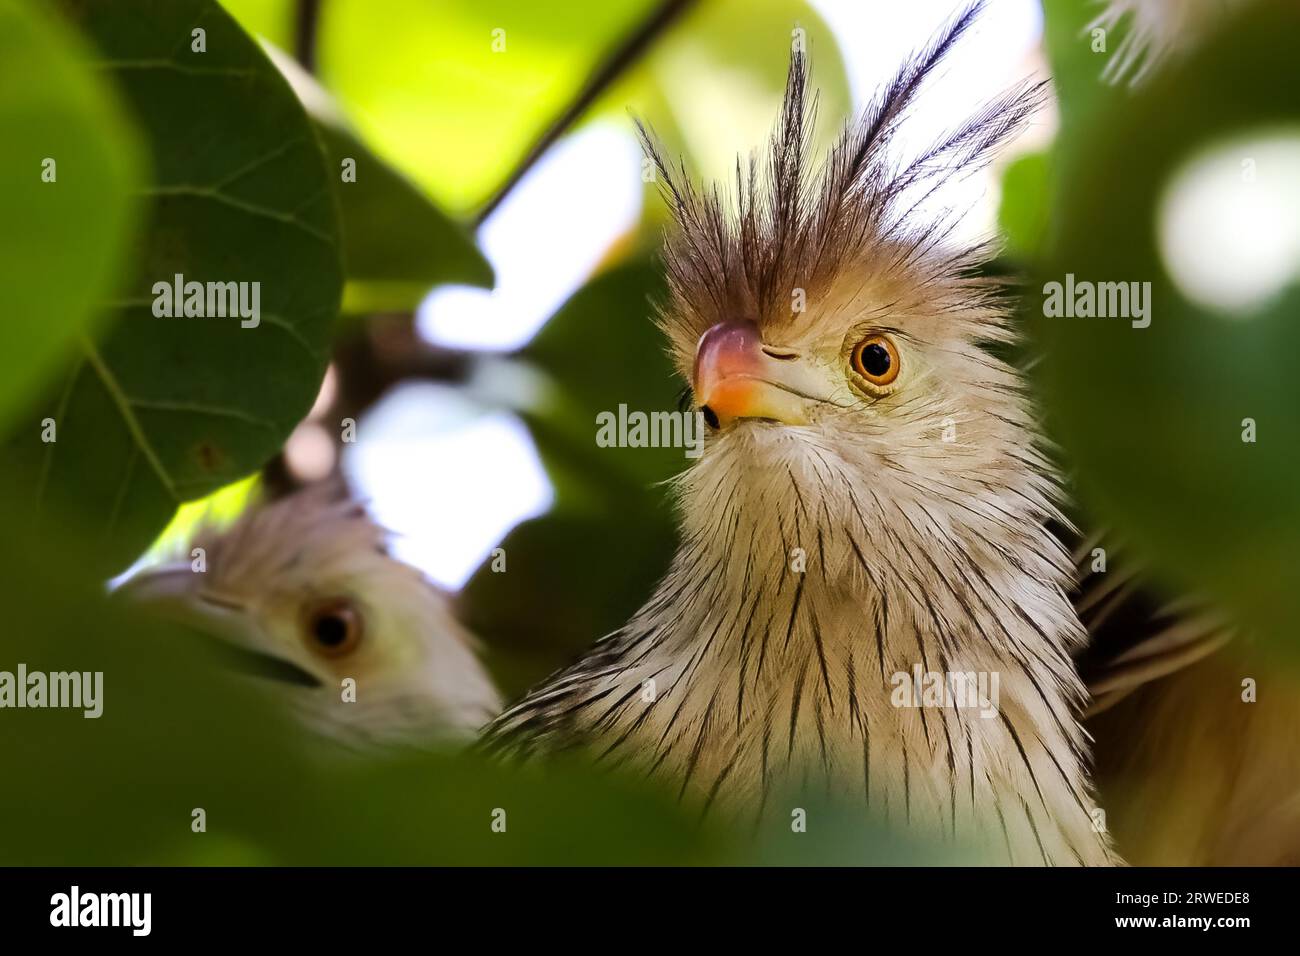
pixel 128 417
pixel 253 209
pixel 198 408
pixel 177 67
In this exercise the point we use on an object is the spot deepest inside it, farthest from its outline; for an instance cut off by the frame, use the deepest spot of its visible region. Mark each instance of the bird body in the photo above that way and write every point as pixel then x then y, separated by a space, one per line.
pixel 872 500
pixel 762 679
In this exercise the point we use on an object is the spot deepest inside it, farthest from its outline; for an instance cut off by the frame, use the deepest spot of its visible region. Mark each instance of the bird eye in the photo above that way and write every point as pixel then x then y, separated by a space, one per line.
pixel 876 359
pixel 333 628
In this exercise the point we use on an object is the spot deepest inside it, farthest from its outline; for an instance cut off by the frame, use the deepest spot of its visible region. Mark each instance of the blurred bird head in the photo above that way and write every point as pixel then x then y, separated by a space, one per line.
pixel 836 342
pixel 303 591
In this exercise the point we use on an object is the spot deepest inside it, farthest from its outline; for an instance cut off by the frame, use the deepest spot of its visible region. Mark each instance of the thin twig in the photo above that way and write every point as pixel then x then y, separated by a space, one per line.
pixel 306 23
pixel 624 55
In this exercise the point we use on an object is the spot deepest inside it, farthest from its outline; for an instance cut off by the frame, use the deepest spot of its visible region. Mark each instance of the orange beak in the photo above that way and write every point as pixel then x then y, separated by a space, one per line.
pixel 736 376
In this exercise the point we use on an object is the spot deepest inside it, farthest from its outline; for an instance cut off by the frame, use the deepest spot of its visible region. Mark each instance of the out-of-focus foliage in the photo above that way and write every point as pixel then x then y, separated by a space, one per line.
pixel 176 735
pixel 67 258
pixel 1152 419
pixel 455 104
pixel 611 521
pixel 213 512
pixel 246 186
pixel 244 189
pixel 396 243
pixel 1023 213
pixel 1076 65
pixel 272 20
pixel 452 103
pixel 161 410
pixel 600 350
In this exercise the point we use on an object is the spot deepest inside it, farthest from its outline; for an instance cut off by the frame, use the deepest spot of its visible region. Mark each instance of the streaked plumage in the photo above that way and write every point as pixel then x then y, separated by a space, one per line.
pixel 920 550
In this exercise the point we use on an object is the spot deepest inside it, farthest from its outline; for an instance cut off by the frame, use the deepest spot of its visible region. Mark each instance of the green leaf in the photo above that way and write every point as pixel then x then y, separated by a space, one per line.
pixel 574 577
pixel 599 351
pixel 1077 66
pixel 428 91
pixel 457 111
pixel 177 732
pixel 163 410
pixel 272 20
pixel 396 243
pixel 61 242
pixel 1153 417
pixel 1024 211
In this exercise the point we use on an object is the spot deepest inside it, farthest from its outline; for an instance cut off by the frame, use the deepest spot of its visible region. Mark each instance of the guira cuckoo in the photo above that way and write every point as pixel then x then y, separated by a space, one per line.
pixel 876 500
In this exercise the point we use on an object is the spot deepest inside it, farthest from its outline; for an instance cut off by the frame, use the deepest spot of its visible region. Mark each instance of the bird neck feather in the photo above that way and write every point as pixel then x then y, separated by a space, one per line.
pixel 786 644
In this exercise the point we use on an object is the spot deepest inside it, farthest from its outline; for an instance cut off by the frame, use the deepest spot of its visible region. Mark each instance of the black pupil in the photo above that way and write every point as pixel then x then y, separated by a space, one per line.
pixel 331 630
pixel 875 359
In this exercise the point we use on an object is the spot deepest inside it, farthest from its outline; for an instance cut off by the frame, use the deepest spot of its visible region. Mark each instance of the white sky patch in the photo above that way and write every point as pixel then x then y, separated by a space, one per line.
pixel 1228 224
pixel 446 477
pixel 999 50
pixel 543 241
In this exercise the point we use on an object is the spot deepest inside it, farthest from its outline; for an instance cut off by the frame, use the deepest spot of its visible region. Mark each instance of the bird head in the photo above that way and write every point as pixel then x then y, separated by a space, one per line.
pixel 836 340
pixel 303 591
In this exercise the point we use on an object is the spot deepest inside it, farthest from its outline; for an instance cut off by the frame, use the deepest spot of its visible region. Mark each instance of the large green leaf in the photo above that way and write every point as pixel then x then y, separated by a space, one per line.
pixel 1078 59
pixel 1153 417
pixel 457 112
pixel 161 410
pixel 272 20
pixel 69 163
pixel 1023 211
pixel 396 243
pixel 427 86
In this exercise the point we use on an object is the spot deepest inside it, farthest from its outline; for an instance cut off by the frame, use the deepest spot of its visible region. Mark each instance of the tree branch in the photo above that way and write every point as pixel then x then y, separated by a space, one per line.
pixel 622 56
pixel 306 23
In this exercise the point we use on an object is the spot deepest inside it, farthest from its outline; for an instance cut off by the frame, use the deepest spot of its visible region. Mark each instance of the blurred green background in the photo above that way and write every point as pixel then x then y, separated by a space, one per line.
pixel 496 169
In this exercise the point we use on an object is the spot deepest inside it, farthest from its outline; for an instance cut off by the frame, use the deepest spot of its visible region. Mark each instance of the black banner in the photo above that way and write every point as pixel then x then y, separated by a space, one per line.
pixel 442 907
